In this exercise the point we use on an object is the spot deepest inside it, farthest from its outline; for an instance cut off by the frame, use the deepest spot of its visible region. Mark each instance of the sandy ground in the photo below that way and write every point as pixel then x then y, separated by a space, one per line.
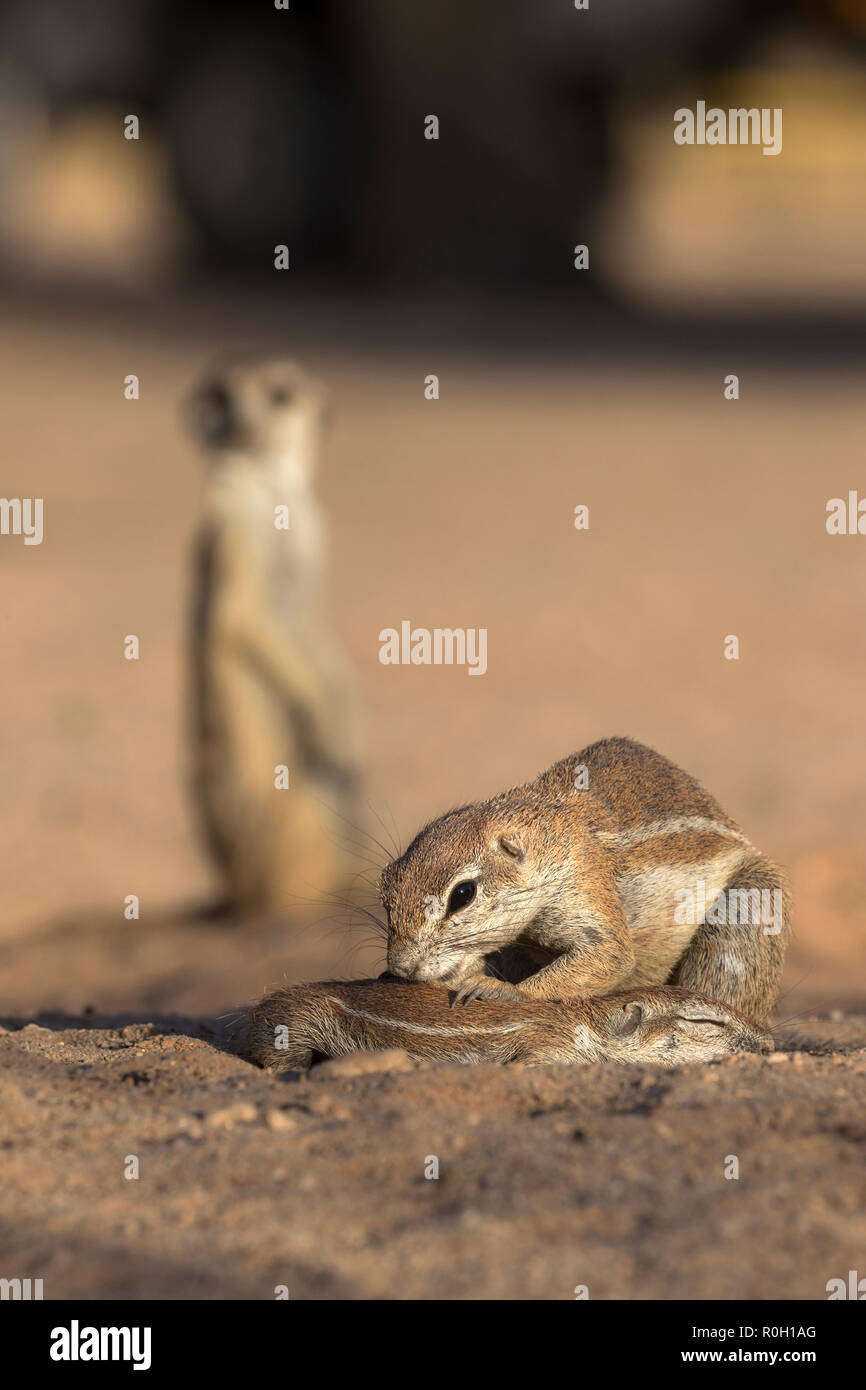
pixel 707 518
pixel 611 1178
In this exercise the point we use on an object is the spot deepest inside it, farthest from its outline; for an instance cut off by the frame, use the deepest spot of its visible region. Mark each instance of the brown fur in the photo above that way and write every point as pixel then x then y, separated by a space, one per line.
pixel 293 1028
pixel 576 890
pixel 268 687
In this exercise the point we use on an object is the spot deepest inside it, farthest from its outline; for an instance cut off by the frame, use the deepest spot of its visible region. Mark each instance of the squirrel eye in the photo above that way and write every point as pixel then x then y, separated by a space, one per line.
pixel 280 395
pixel 461 894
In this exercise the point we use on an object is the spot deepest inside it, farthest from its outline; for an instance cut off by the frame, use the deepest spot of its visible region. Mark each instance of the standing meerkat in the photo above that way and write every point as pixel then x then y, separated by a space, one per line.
pixel 614 869
pixel 269 690
pixel 292 1028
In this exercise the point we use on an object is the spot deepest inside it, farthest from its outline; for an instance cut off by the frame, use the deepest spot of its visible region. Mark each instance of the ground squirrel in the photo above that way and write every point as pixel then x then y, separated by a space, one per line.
pixel 269 689
pixel 293 1028
pixel 612 870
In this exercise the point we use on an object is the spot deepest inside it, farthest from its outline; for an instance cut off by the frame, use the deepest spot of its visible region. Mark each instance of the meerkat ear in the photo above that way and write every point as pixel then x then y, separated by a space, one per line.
pixel 625 1021
pixel 510 845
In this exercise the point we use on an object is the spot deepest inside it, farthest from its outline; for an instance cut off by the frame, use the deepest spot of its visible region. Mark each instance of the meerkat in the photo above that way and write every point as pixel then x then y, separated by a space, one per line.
pixel 613 870
pixel 292 1028
pixel 269 688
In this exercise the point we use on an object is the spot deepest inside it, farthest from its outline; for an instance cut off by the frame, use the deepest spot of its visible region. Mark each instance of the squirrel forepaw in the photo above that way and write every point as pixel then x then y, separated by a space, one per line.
pixel 484 988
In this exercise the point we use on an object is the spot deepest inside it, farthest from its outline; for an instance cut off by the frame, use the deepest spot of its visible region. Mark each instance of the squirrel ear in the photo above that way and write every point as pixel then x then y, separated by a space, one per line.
pixel 511 846
pixel 625 1021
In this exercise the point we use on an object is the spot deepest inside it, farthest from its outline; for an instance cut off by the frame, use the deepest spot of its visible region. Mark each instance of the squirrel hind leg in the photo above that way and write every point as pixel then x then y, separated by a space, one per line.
pixel 737 955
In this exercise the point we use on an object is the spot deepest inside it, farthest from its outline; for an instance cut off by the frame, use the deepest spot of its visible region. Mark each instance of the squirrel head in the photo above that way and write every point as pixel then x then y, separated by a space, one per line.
pixel 259 406
pixel 464 888
pixel 674 1027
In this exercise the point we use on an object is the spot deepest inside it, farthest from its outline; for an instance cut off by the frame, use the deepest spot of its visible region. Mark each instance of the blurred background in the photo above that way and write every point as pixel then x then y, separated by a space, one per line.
pixel 604 387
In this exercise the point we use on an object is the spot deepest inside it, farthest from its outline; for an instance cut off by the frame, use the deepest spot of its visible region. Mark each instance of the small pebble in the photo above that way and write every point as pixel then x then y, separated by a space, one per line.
pixel 329 1107
pixel 241 1114
pixel 281 1120
pixel 362 1064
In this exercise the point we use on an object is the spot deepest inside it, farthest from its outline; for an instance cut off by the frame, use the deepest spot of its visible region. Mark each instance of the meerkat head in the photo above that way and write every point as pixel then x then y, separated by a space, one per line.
pixel 260 406
pixel 462 890
pixel 673 1027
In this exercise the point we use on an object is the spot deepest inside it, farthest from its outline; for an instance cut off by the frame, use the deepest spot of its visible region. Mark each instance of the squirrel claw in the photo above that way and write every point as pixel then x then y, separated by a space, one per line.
pixel 485 988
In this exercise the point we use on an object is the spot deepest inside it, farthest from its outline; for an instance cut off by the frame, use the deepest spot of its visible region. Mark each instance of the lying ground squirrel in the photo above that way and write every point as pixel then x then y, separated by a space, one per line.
pixel 612 870
pixel 269 687
pixel 293 1028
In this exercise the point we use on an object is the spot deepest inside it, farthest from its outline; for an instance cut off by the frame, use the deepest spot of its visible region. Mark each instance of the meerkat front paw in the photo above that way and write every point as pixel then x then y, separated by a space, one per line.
pixel 484 988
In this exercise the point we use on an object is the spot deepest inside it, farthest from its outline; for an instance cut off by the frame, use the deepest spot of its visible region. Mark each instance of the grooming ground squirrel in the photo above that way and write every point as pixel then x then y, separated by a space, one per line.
pixel 269 687
pixel 291 1029
pixel 613 870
